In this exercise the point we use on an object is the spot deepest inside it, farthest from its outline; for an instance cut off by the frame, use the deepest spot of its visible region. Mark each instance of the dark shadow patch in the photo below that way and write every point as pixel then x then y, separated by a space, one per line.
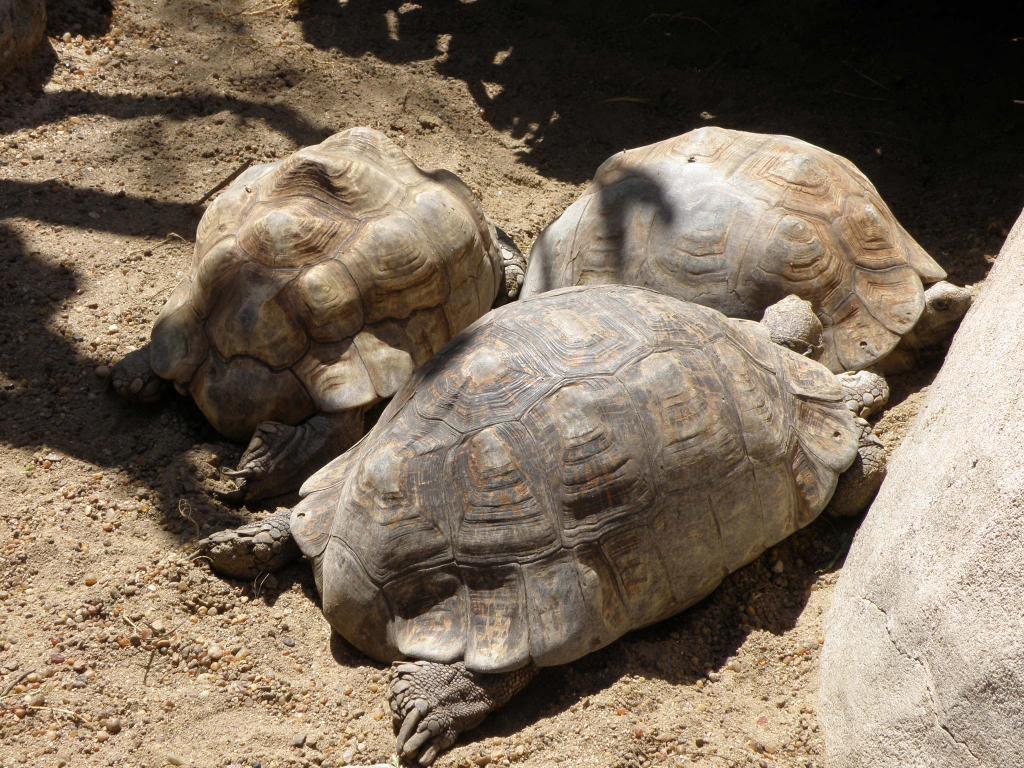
pixel 89 18
pixel 35 109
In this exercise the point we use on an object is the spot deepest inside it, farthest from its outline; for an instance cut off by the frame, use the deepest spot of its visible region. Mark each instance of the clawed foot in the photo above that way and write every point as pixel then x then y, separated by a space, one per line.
pixel 134 379
pixel 280 457
pixel 254 476
pixel 431 704
pixel 246 552
pixel 866 393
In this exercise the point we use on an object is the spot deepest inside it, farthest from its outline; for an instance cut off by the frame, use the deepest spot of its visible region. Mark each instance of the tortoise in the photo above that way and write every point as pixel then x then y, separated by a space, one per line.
pixel 737 221
pixel 318 284
pixel 22 28
pixel 570 468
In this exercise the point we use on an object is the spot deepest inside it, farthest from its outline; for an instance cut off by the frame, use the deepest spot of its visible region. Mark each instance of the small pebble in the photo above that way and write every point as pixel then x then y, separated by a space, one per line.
pixel 215 652
pixel 102 371
pixel 113 725
pixel 298 740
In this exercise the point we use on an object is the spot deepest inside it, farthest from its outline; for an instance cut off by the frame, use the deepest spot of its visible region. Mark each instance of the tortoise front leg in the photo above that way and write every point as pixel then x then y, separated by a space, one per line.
pixel 431 704
pixel 280 457
pixel 134 379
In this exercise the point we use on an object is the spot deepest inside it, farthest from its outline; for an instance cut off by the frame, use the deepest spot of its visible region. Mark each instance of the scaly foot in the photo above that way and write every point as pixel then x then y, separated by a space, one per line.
pixel 246 552
pixel 431 704
pixel 133 378
pixel 280 457
pixel 866 393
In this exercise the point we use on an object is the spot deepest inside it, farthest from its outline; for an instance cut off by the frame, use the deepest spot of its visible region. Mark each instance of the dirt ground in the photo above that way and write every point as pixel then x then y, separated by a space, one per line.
pixel 116 649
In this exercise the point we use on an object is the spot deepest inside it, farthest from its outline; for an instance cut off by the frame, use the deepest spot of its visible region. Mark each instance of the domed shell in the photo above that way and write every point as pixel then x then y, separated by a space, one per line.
pixel 569 468
pixel 321 281
pixel 737 221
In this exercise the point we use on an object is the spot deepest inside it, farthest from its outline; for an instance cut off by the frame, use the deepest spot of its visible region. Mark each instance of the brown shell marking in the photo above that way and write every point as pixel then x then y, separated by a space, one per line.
pixel 570 468
pixel 343 265
pixel 737 221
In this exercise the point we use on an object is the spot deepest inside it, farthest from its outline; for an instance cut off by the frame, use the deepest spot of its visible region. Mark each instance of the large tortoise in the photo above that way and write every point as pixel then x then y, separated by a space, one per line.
pixel 737 221
pixel 22 28
pixel 318 284
pixel 568 469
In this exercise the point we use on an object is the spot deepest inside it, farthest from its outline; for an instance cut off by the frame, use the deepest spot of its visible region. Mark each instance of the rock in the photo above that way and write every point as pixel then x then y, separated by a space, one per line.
pixel 298 740
pixel 924 643
pixel 22 27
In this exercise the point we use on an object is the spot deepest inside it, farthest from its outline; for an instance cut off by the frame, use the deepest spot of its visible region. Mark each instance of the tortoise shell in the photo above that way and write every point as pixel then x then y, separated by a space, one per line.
pixel 321 281
pixel 569 468
pixel 737 221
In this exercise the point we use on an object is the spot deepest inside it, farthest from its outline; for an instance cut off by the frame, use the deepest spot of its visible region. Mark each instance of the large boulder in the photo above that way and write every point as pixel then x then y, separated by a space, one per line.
pixel 22 27
pixel 923 663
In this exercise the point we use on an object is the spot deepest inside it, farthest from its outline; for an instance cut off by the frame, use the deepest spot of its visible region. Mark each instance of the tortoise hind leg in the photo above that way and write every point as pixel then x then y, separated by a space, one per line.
pixel 280 457
pixel 513 268
pixel 134 379
pixel 431 704
pixel 250 550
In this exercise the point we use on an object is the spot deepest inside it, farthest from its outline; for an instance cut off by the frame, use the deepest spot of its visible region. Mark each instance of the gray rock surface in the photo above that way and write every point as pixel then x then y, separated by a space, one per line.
pixel 22 26
pixel 923 663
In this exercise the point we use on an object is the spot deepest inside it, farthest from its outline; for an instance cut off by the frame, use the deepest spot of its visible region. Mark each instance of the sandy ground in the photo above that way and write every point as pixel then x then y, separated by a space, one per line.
pixel 115 647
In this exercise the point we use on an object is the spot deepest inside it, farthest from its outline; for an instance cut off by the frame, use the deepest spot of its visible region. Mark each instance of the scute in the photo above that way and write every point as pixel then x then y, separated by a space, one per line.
pixel 485 382
pixel 253 318
pixel 224 214
pixel 330 301
pixel 336 377
pixel 237 395
pixel 292 233
pixel 178 343
pixel 737 221
pixel 218 267
pixel 503 511
pixel 395 269
pixel 508 514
